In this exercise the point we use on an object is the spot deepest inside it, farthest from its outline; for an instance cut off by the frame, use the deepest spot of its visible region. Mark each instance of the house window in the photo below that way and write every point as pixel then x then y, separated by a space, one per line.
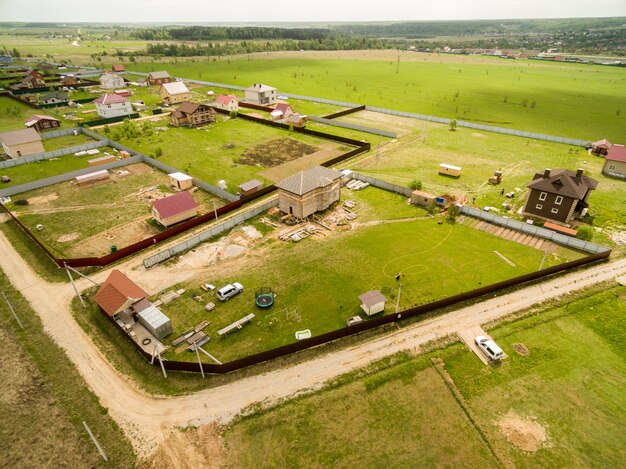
pixel 555 210
pixel 612 166
pixel 538 206
pixel 543 196
pixel 558 200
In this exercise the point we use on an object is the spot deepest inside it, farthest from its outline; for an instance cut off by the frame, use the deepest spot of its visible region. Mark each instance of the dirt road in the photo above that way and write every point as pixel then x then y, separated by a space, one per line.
pixel 147 419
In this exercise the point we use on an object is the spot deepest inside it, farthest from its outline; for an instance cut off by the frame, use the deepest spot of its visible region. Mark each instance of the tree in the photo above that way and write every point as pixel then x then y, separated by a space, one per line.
pixel 585 233
pixel 416 185
pixel 453 125
pixel 233 114
pixel 453 212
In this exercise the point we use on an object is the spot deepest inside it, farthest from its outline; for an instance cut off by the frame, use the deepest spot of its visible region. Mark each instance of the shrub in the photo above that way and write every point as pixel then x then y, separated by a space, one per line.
pixel 453 124
pixel 416 185
pixel 585 233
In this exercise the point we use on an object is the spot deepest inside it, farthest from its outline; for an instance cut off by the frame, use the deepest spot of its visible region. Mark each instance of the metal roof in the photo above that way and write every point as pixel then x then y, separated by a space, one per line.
pixel 161 74
pixel 174 204
pixel 260 87
pixel 372 298
pixel 563 182
pixel 311 179
pixel 111 98
pixel 17 137
pixel 176 87
pixel 617 153
pixel 153 316
pixel 117 291
pixel 246 186
pixel 180 176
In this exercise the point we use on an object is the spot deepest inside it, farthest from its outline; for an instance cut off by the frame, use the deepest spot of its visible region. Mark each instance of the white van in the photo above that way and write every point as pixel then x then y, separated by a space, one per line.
pixel 229 291
pixel 490 348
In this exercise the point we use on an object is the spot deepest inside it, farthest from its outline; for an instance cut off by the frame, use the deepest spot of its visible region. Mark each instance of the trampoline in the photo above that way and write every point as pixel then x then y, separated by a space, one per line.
pixel 264 297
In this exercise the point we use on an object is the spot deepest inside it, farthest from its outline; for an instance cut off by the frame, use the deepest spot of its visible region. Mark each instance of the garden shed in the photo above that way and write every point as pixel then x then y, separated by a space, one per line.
pixel 449 170
pixel 181 181
pixel 250 187
pixel 153 319
pixel 372 302
pixel 423 199
pixel 174 209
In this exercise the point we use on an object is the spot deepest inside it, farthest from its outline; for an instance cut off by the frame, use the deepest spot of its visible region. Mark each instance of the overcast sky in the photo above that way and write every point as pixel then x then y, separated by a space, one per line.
pixel 209 11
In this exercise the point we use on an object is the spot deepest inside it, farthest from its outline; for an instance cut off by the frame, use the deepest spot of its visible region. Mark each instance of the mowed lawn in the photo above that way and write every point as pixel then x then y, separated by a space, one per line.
pixel 403 415
pixel 422 146
pixel 317 281
pixel 571 100
pixel 211 153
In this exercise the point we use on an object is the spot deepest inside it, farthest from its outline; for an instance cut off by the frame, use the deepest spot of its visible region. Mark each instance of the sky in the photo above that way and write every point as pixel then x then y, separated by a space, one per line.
pixel 239 11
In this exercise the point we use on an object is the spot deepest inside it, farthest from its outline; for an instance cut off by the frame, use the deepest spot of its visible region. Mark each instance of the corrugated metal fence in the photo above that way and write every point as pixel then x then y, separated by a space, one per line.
pixel 29 186
pixel 52 154
pixel 426 117
pixel 208 234
pixel 383 184
pixel 346 125
pixel 535 231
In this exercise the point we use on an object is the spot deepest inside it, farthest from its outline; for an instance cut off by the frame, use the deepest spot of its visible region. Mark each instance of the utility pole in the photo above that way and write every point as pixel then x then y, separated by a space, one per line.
pixel 398 300
pixel 398 64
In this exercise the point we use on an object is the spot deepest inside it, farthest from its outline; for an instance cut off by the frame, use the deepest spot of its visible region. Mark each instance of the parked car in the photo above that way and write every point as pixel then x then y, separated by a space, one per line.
pixel 228 291
pixel 490 348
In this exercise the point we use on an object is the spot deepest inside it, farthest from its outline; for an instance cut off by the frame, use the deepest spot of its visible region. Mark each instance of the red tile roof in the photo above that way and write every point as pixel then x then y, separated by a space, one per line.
pixel 604 143
pixel 617 153
pixel 282 107
pixel 225 98
pixel 118 68
pixel 117 291
pixel 174 204
pixel 111 98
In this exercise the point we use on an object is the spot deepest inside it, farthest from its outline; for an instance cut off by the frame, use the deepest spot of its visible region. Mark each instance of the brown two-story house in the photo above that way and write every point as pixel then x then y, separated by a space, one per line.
pixel 559 195
pixel 158 78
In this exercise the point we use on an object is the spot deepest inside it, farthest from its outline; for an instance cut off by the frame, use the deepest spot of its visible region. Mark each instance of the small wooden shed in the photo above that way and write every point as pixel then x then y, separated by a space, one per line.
pixel 174 209
pixel 423 199
pixel 449 170
pixel 181 181
pixel 372 302
pixel 250 187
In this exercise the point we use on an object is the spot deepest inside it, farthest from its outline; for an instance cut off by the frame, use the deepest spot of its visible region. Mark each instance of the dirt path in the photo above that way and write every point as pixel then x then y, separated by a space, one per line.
pixel 148 420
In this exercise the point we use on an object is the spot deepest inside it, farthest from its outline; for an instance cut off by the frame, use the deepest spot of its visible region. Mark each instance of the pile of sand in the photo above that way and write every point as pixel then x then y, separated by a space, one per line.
pixel 526 435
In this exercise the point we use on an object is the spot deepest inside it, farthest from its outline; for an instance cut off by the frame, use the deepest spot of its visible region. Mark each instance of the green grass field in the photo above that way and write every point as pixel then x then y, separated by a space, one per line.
pixel 100 216
pixel 211 153
pixel 45 400
pixel 527 95
pixel 402 414
pixel 322 278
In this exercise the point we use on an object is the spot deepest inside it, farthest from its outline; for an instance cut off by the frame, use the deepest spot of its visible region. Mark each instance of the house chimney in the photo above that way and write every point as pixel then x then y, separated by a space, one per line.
pixel 546 172
pixel 579 172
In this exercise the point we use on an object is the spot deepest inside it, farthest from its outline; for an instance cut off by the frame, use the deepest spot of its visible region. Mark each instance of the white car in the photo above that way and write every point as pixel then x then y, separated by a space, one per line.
pixel 490 348
pixel 228 291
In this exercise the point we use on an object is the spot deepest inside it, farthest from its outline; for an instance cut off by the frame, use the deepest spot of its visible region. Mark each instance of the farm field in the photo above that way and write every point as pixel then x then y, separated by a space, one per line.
pixel 422 146
pixel 87 221
pixel 320 278
pixel 525 95
pixel 557 403
pixel 45 400
pixel 213 152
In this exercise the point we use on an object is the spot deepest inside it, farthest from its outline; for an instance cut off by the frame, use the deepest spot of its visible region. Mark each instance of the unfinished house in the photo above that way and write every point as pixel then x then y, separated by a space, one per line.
pixel 559 195
pixel 192 114
pixel 174 92
pixel 261 94
pixel 174 209
pixel 309 191
pixel 23 142
pixel 111 81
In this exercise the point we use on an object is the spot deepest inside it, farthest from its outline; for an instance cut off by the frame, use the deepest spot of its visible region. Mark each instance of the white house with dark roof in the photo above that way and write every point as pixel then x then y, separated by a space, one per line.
pixel 113 105
pixel 261 94
pixel 309 191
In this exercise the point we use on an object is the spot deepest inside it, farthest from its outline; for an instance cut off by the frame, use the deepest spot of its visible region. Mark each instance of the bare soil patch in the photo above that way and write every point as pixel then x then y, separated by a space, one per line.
pixel 276 152
pixel 525 434
pixel 43 199
pixel 521 349
pixel 68 237
pixel 191 448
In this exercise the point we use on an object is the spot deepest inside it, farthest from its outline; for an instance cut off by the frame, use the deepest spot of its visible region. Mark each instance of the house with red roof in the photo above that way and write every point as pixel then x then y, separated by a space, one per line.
pixel 118 68
pixel 615 164
pixel 174 209
pixel 118 293
pixel 113 105
pixel 227 102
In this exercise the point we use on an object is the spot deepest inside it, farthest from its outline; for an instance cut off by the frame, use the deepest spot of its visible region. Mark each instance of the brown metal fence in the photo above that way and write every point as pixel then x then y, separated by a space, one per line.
pixel 345 112
pixel 186 226
pixel 373 323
